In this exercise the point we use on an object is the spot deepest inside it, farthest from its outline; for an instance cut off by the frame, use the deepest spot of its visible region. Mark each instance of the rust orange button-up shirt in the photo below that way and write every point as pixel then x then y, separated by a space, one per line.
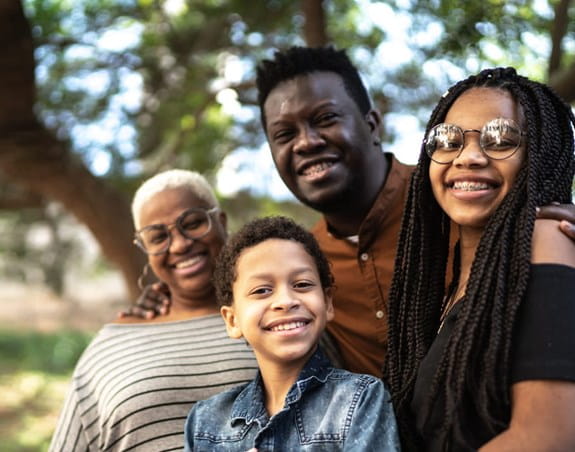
pixel 363 269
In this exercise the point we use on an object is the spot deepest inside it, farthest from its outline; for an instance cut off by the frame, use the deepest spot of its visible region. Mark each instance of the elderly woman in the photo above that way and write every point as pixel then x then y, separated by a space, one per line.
pixel 137 380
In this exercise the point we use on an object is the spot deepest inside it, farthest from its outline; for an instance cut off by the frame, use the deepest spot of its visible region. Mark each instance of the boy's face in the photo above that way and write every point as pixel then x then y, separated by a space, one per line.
pixel 279 306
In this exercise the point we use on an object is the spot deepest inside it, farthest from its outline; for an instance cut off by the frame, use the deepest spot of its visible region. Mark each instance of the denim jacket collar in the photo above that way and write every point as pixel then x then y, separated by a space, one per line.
pixel 249 405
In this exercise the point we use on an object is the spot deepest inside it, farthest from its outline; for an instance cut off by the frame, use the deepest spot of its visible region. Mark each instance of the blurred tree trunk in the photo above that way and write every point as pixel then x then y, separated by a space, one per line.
pixel 314 29
pixel 561 79
pixel 32 157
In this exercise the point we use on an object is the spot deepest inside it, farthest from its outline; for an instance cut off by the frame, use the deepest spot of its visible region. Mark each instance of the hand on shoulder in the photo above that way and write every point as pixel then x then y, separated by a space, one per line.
pixel 550 245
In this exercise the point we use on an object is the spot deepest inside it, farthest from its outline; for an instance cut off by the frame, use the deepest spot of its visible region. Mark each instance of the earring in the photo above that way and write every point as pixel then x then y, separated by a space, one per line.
pixel 143 276
pixel 376 142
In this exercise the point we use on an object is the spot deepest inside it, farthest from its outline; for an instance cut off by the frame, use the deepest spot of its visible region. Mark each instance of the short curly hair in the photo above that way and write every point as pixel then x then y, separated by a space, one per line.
pixel 296 61
pixel 255 232
pixel 174 178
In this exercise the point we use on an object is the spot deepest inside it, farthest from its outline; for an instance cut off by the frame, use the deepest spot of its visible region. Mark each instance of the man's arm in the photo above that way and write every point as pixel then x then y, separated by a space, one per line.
pixel 153 302
pixel 565 213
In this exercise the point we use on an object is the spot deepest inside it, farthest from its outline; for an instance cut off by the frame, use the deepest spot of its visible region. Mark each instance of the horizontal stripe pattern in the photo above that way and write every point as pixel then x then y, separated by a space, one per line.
pixel 135 384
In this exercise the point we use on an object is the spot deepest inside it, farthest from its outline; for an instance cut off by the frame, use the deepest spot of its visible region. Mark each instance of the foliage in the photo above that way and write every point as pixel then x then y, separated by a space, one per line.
pixel 36 368
pixel 137 86
pixel 48 353
pixel 157 91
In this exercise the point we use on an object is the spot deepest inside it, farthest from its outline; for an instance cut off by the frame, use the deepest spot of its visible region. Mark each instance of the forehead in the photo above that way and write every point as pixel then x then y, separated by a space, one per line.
pixel 273 256
pixel 304 93
pixel 476 106
pixel 167 205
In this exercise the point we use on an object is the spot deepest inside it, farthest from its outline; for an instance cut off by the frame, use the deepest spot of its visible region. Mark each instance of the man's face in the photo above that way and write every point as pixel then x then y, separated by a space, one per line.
pixel 322 146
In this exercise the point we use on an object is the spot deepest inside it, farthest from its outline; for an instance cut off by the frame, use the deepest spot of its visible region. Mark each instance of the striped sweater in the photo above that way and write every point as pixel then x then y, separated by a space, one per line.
pixel 135 383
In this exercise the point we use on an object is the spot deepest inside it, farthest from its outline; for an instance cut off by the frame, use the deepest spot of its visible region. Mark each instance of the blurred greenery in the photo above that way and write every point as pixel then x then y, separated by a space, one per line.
pixel 132 87
pixel 36 369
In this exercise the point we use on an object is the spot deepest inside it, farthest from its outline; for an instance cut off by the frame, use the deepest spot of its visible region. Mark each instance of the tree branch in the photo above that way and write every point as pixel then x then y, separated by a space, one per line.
pixel 558 31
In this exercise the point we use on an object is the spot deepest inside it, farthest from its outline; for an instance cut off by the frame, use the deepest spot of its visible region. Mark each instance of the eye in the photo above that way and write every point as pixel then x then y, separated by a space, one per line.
pixel 326 119
pixel 500 140
pixel 193 223
pixel 282 136
pixel 159 237
pixel 447 143
pixel 260 291
pixel 499 143
pixel 304 284
pixel 444 138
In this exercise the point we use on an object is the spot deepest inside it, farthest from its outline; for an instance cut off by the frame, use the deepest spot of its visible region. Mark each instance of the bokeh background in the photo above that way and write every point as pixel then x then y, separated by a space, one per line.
pixel 98 94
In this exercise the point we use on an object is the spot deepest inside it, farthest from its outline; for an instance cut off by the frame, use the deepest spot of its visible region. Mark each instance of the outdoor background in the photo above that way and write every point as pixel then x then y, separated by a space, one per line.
pixel 98 94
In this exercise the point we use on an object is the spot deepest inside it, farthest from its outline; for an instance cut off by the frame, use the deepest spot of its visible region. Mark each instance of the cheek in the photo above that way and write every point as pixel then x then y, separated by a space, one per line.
pixel 280 158
pixel 436 178
pixel 511 170
pixel 156 264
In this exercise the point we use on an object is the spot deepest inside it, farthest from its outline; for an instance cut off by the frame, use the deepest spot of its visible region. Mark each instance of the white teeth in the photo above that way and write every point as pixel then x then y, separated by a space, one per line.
pixel 287 326
pixel 470 186
pixel 318 167
pixel 188 262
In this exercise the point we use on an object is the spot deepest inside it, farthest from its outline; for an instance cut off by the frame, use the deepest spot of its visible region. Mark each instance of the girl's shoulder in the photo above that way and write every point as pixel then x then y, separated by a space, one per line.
pixel 550 245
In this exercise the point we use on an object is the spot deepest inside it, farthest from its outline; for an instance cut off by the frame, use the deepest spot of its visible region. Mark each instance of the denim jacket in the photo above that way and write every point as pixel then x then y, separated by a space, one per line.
pixel 326 409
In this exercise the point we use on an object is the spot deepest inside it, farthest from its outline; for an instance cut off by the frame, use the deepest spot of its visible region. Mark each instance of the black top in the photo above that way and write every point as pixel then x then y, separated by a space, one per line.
pixel 543 349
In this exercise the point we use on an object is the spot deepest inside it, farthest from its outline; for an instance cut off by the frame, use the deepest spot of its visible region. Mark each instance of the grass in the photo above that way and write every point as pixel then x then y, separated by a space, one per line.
pixel 36 368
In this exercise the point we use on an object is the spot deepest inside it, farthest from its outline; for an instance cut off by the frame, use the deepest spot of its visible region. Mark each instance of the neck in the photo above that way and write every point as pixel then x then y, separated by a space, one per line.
pixel 278 378
pixel 187 307
pixel 346 218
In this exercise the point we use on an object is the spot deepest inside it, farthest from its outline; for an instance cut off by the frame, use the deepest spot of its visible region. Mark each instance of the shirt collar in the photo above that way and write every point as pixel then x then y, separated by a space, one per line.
pixel 249 404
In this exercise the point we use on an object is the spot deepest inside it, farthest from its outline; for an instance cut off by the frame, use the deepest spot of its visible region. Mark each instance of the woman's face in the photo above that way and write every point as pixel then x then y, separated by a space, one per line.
pixel 187 266
pixel 470 188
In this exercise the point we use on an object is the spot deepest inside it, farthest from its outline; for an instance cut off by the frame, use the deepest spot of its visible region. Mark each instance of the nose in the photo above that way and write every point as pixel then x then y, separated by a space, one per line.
pixel 179 242
pixel 308 139
pixel 471 155
pixel 285 300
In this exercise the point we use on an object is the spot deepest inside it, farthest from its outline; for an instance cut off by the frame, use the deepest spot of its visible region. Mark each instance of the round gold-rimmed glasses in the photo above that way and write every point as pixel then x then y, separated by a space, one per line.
pixel 193 224
pixel 499 139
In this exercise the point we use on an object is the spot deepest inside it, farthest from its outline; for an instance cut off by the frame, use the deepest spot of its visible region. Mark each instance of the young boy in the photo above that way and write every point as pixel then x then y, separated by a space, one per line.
pixel 274 286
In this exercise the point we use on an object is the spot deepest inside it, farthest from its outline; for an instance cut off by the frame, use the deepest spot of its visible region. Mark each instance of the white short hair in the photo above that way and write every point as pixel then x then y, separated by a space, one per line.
pixel 175 178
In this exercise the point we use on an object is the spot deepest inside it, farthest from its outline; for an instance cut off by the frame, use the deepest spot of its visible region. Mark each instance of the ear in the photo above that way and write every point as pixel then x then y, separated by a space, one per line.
pixel 373 119
pixel 330 312
pixel 232 327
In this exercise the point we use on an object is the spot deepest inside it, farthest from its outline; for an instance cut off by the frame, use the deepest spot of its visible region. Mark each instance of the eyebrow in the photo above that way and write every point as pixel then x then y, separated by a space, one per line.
pixel 293 273
pixel 322 104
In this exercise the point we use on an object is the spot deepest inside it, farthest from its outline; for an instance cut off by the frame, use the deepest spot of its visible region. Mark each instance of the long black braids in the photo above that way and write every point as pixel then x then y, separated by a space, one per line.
pixel 474 369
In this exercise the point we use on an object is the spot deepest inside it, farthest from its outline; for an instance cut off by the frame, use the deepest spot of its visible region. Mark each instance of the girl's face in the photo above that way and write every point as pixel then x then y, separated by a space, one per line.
pixel 470 188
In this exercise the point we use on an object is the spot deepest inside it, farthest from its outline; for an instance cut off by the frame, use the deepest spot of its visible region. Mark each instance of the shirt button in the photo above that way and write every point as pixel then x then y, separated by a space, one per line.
pixel 364 256
pixel 379 314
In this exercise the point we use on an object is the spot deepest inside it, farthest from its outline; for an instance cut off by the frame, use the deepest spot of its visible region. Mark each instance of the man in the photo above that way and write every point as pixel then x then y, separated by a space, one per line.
pixel 324 137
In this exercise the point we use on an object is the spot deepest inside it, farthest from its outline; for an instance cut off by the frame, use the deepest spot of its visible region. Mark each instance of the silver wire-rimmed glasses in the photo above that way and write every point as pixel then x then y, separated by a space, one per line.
pixel 499 139
pixel 193 224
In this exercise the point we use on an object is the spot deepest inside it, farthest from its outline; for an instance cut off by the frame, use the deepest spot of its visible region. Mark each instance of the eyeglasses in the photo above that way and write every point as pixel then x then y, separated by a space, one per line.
pixel 499 139
pixel 193 224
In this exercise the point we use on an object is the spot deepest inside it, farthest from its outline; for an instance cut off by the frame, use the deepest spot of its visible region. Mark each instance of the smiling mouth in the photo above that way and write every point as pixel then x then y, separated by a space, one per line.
pixel 470 186
pixel 288 326
pixel 316 168
pixel 189 262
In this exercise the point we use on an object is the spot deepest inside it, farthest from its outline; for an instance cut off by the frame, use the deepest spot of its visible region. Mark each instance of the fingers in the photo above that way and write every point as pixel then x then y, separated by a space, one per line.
pixel 557 212
pixel 154 301
pixel 568 229
pixel 137 311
